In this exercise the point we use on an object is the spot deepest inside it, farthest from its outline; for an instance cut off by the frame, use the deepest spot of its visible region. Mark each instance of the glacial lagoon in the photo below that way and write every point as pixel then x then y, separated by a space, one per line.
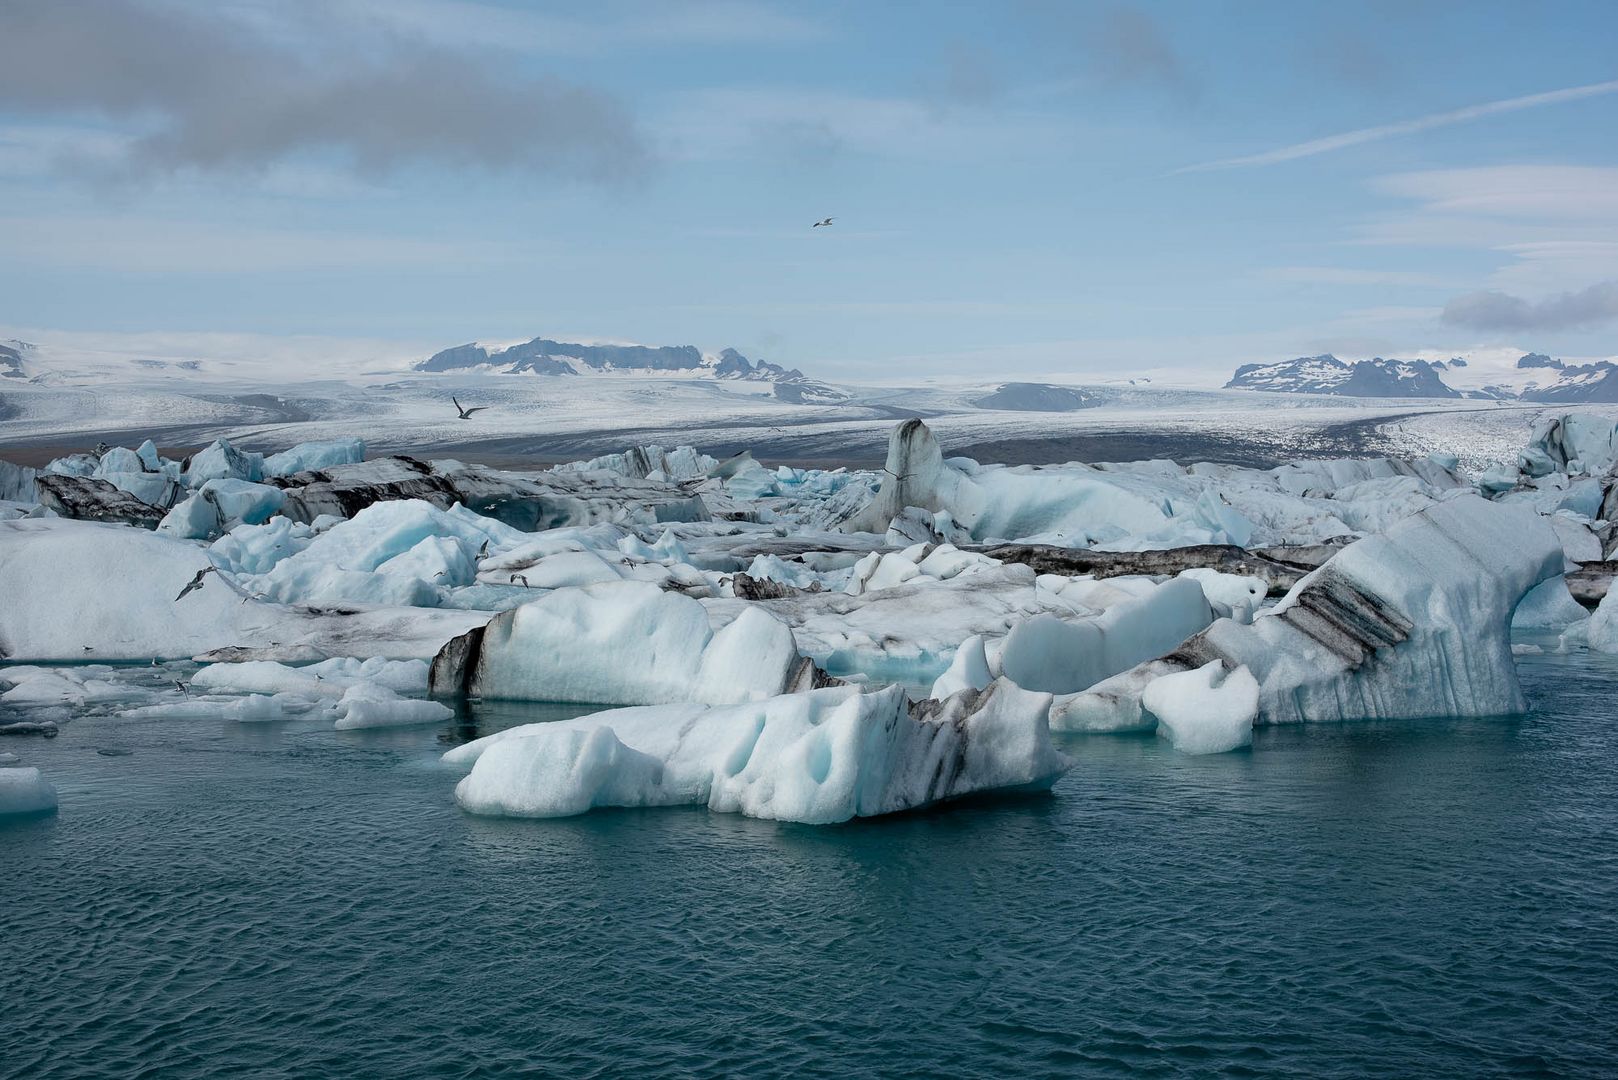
pixel 1434 898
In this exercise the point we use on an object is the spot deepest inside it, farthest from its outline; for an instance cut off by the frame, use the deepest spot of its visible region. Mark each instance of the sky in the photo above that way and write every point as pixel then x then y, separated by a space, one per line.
pixel 1063 190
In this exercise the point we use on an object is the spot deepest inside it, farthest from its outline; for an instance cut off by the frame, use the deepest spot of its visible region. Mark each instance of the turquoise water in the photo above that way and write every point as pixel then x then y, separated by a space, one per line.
pixel 1435 899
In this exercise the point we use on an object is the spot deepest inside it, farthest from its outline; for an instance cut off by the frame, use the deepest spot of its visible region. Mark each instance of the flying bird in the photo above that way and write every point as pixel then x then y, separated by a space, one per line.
pixel 820 224
pixel 182 687
pixel 194 584
pixel 516 578
pixel 466 414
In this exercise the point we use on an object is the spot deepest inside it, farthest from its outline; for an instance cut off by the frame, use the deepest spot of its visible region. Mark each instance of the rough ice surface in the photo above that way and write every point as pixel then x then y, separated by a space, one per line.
pixel 25 793
pixel 1208 710
pixel 820 757
pixel 401 553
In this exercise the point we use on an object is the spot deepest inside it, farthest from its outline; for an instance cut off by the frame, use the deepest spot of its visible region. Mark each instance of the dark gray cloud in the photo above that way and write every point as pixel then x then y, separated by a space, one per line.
pixel 1128 45
pixel 201 90
pixel 1565 311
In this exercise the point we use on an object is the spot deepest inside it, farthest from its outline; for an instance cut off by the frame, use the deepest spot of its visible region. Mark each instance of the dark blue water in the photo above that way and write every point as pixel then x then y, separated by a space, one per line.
pixel 1436 899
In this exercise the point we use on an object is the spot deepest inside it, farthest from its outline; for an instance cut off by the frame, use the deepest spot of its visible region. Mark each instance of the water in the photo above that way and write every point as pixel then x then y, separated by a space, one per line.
pixel 1436 899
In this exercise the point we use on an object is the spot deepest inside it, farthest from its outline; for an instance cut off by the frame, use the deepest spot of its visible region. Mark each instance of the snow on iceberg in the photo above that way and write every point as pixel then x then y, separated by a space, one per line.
pixel 25 793
pixel 820 757
pixel 1410 623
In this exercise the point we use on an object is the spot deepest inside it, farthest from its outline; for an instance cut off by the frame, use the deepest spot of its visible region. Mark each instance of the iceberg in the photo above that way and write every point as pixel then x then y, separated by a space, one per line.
pixel 79 591
pixel 621 643
pixel 1204 711
pixel 25 793
pixel 1062 656
pixel 315 455
pixel 222 461
pixel 820 757
pixel 371 705
pixel 219 506
pixel 1414 622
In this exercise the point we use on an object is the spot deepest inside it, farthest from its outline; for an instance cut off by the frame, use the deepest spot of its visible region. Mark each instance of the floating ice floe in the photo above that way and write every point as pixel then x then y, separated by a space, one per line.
pixel 372 705
pixel 1410 623
pixel 25 793
pixel 820 757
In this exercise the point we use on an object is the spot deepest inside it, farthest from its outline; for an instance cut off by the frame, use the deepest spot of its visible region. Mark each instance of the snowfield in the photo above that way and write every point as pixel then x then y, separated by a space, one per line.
pixel 797 643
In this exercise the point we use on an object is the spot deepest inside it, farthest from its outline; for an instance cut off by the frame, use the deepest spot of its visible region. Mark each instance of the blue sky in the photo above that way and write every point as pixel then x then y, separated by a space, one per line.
pixel 1058 189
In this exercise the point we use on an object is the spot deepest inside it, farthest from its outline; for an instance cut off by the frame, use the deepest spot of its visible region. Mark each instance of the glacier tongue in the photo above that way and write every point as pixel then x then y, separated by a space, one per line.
pixel 820 757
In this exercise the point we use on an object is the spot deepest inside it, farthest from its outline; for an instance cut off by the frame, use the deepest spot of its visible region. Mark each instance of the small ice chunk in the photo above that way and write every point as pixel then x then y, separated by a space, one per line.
pixel 969 670
pixel 368 705
pixel 24 793
pixel 1205 710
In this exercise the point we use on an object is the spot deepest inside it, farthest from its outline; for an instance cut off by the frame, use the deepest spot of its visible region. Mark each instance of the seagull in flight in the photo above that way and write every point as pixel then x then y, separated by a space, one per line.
pixel 466 414
pixel 194 584
pixel 820 224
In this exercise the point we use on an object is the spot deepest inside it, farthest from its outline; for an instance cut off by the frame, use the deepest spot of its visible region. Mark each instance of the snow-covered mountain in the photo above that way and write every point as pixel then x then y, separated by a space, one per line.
pixel 11 359
pixel 1365 378
pixel 543 356
pixel 1534 377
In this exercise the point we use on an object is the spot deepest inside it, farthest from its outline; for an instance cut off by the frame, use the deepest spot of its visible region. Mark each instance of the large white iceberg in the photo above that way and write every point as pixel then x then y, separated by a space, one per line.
pixel 621 643
pixel 819 757
pixel 1411 623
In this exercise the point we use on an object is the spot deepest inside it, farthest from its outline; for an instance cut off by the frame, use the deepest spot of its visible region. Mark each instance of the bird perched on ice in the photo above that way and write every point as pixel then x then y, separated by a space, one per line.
pixel 466 414
pixel 822 224
pixel 194 584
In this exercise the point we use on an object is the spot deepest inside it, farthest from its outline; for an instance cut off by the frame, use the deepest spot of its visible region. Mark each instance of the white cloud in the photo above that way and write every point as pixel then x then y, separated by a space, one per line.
pixel 1406 127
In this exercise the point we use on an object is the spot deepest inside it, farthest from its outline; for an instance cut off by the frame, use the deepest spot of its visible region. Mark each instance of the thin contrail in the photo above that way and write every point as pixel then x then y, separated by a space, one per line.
pixel 1405 127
